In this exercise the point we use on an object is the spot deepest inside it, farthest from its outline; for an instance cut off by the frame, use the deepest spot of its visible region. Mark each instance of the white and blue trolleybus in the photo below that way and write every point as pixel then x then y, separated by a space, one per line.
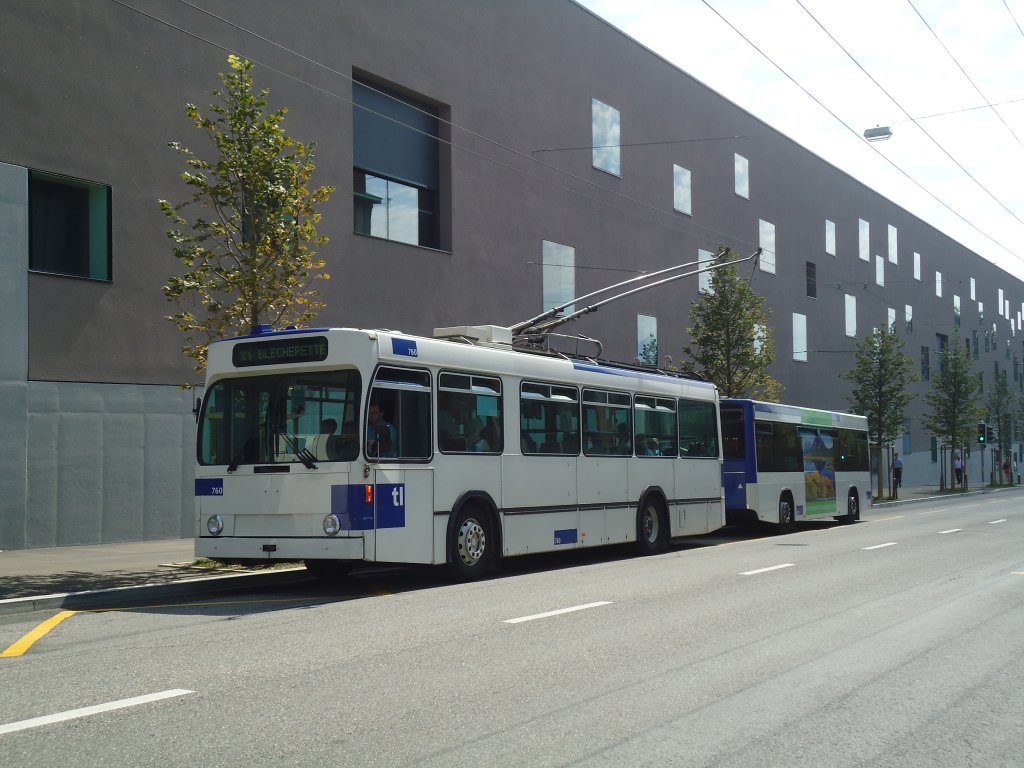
pixel 784 464
pixel 337 445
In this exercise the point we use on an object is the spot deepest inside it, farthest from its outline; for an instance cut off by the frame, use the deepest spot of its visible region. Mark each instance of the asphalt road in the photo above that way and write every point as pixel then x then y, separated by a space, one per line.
pixel 895 642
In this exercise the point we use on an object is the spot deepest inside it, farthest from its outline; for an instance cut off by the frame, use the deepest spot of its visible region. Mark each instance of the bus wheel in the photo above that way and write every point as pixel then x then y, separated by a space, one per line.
pixel 852 509
pixel 472 544
pixel 328 571
pixel 651 530
pixel 785 514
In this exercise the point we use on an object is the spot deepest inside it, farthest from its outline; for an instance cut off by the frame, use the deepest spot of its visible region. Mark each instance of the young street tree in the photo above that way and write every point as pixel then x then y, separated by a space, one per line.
pixel 953 401
pixel 731 343
pixel 1001 408
pixel 248 254
pixel 880 376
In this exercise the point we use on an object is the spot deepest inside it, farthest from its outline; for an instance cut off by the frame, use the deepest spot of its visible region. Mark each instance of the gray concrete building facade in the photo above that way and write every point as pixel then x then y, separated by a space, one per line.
pixel 489 158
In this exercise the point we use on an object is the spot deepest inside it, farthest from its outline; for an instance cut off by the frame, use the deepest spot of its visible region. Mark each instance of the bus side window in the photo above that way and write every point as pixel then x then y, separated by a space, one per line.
pixel 404 399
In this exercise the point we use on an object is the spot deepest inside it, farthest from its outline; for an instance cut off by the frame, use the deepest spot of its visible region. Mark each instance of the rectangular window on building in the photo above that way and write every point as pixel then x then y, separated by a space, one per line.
pixel 864 240
pixel 974 344
pixel 704 259
pixel 742 174
pixel 938 284
pixel 925 364
pixel 800 337
pixel 830 237
pixel 682 198
pixel 956 310
pixel 759 332
pixel 893 257
pixel 851 316
pixel 974 295
pixel 879 271
pixel 647 340
pixel 891 317
pixel 397 166
pixel 812 280
pixel 917 265
pixel 909 315
pixel 604 123
pixel 558 274
pixel 981 312
pixel 766 239
pixel 69 226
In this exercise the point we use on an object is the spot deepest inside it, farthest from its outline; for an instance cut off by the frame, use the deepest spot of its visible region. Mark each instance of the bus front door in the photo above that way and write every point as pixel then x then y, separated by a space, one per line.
pixel 403 515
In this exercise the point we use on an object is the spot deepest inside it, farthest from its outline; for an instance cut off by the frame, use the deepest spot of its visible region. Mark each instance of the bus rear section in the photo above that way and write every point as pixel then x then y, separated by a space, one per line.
pixel 784 464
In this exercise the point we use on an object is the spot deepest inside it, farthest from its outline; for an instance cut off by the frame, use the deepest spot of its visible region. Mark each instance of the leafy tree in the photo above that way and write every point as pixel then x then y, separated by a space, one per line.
pixel 880 376
pixel 1001 406
pixel 731 343
pixel 649 351
pixel 953 401
pixel 248 254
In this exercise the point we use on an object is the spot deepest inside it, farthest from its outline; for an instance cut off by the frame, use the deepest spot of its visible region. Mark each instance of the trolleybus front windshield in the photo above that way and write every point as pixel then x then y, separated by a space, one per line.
pixel 293 417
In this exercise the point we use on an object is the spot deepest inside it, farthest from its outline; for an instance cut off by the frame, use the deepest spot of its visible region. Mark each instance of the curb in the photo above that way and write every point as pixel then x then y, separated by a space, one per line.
pixel 979 491
pixel 138 594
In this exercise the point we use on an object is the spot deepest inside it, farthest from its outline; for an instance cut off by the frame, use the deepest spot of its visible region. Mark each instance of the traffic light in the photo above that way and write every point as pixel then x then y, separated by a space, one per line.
pixel 990 436
pixel 982 432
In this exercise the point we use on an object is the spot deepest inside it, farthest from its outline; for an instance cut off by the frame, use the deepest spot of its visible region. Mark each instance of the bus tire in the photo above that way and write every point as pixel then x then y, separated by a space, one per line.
pixel 328 571
pixel 852 509
pixel 785 513
pixel 473 543
pixel 651 526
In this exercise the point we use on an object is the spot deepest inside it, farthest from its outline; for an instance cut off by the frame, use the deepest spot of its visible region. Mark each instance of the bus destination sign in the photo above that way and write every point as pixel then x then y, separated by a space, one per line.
pixel 299 349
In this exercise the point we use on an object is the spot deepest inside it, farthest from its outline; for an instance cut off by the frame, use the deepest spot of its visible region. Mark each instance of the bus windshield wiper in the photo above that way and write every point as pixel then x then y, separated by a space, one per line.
pixel 249 442
pixel 302 454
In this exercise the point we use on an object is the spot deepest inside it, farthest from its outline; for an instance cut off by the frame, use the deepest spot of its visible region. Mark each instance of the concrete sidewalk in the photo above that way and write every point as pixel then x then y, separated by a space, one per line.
pixel 103 574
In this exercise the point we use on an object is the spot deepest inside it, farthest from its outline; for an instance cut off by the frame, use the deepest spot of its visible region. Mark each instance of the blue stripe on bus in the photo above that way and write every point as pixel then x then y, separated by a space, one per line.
pixel 349 505
pixel 404 347
pixel 635 374
pixel 210 486
pixel 568 536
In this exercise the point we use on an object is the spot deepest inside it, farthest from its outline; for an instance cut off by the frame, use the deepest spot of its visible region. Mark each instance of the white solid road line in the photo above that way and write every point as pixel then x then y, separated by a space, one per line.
pixel 556 613
pixel 765 570
pixel 995 522
pixel 72 714
pixel 952 530
pixel 879 546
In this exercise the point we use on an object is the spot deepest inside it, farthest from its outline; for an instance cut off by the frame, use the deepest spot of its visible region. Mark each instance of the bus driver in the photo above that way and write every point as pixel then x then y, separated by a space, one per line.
pixel 380 434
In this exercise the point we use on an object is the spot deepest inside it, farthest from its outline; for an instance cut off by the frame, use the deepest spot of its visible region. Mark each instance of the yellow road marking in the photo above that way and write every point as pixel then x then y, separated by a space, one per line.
pixel 28 640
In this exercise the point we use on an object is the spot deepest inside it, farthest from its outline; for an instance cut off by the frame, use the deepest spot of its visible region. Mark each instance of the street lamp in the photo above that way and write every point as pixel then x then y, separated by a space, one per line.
pixel 879 133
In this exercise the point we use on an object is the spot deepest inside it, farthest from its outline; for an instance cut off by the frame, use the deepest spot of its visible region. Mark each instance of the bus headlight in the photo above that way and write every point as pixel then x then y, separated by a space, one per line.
pixel 332 525
pixel 215 524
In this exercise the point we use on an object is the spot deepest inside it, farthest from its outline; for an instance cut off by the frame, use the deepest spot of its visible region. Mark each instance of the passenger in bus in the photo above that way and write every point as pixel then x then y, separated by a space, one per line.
pixel 492 434
pixel 380 434
pixel 323 443
pixel 449 429
pixel 652 447
pixel 550 444
pixel 475 442
pixel 623 445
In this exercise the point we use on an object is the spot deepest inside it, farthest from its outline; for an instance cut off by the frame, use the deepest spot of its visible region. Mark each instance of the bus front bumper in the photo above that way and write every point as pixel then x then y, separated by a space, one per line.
pixel 269 548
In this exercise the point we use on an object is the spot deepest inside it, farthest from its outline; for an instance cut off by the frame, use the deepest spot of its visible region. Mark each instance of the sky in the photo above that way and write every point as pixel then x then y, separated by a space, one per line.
pixel 947 76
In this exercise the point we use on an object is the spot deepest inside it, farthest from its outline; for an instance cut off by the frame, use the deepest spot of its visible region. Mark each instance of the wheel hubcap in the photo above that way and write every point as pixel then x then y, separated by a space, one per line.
pixel 651 524
pixel 472 542
pixel 785 513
